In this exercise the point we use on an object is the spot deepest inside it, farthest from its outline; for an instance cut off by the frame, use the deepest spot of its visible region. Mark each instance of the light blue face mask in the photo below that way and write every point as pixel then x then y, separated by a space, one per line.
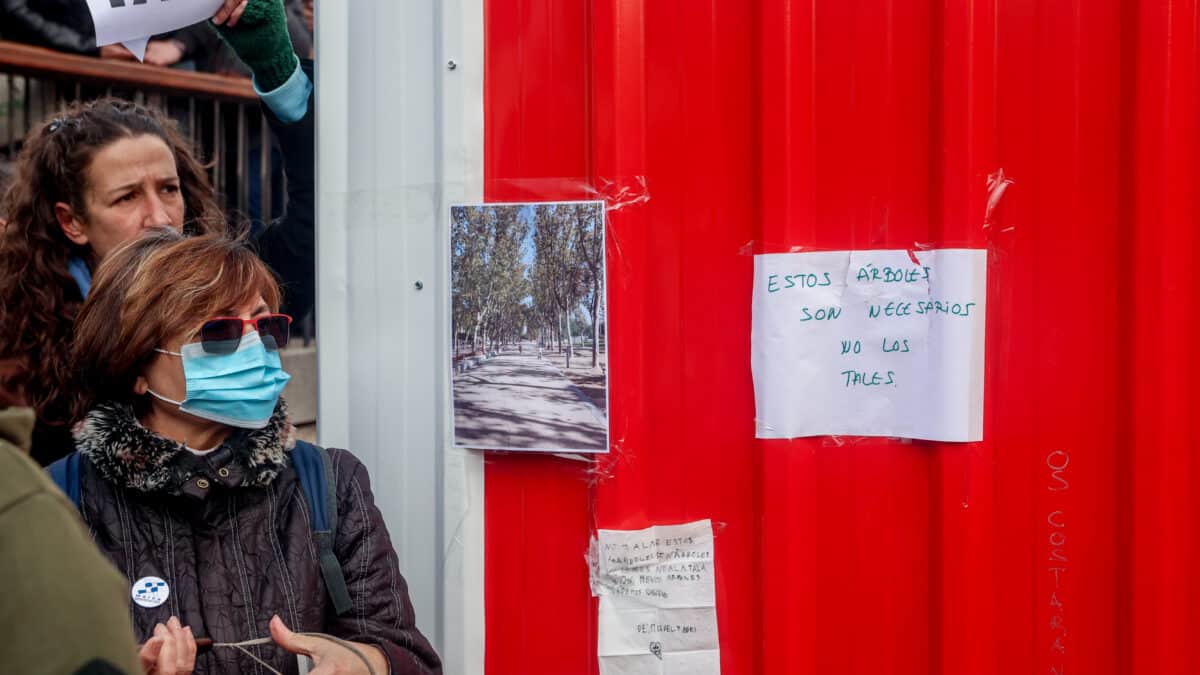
pixel 238 389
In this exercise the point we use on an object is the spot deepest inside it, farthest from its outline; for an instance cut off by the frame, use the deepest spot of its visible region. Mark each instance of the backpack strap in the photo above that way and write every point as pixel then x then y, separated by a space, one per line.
pixel 315 472
pixel 65 474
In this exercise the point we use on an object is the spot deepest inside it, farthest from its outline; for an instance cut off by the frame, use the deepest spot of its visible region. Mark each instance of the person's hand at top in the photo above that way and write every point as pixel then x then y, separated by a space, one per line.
pixel 116 53
pixel 230 12
pixel 164 52
pixel 307 11
pixel 257 31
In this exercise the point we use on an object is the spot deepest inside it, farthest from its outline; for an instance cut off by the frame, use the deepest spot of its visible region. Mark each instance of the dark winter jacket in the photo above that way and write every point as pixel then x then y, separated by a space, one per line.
pixel 62 25
pixel 230 534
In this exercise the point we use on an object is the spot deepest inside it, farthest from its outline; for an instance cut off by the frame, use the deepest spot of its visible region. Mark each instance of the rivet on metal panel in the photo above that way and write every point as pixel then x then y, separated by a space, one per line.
pixel 451 65
pixel 419 285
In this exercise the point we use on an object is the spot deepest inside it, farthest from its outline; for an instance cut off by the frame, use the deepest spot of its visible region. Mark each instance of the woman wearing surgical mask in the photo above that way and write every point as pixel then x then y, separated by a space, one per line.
pixel 99 173
pixel 187 480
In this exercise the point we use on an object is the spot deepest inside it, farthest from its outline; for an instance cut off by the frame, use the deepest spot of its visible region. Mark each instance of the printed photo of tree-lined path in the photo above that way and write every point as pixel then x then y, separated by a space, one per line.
pixel 529 327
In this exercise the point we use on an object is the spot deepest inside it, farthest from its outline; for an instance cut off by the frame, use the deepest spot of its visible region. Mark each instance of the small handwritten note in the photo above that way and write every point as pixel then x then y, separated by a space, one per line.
pixel 870 343
pixel 658 612
pixel 133 22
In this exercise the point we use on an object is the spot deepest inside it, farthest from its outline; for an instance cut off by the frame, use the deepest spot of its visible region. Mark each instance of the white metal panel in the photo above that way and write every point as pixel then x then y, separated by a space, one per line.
pixel 461 106
pixel 400 137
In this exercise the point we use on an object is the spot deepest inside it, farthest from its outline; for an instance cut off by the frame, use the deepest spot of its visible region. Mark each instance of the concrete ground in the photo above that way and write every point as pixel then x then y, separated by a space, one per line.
pixel 516 400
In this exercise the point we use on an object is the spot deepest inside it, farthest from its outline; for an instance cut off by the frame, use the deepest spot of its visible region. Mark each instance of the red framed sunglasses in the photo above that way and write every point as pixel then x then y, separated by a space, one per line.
pixel 223 334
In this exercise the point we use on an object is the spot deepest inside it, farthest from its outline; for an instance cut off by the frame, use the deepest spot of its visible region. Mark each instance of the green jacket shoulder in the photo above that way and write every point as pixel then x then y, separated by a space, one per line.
pixel 65 607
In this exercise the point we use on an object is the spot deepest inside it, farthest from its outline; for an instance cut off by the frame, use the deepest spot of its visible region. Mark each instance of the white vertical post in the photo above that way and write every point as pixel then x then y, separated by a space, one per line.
pixel 400 138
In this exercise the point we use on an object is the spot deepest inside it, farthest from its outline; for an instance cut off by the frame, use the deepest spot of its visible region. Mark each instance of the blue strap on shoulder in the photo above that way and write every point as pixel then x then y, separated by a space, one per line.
pixel 65 474
pixel 314 470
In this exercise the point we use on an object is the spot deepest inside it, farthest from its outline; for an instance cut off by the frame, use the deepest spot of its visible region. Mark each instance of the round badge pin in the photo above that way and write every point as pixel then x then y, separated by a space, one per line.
pixel 150 592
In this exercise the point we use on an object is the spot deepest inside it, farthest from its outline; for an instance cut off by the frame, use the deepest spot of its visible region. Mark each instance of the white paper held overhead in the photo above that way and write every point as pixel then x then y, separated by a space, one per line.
pixel 870 343
pixel 131 21
pixel 137 47
pixel 658 612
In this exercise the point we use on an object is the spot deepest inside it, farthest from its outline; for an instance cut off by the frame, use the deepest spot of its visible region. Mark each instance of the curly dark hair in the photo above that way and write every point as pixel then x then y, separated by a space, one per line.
pixel 38 297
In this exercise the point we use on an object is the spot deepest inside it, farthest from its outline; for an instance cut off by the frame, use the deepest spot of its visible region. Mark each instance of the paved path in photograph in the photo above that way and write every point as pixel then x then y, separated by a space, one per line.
pixel 519 401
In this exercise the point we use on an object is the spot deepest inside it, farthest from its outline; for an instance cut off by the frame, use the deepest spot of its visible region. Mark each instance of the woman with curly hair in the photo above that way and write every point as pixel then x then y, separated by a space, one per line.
pixel 100 173
pixel 85 182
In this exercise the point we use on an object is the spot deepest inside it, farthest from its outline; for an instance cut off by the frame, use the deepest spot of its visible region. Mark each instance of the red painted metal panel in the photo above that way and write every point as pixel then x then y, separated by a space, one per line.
pixel 1060 544
pixel 1161 243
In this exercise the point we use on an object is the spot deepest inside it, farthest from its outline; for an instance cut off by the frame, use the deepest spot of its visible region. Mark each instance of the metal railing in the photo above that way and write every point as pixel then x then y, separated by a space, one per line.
pixel 221 115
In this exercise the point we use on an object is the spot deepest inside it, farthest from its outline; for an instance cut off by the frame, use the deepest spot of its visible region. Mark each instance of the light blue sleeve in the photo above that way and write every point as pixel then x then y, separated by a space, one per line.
pixel 81 273
pixel 289 101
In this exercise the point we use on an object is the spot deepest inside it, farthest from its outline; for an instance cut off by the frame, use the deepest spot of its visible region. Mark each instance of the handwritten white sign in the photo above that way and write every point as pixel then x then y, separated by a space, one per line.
pixel 133 22
pixel 658 612
pixel 870 343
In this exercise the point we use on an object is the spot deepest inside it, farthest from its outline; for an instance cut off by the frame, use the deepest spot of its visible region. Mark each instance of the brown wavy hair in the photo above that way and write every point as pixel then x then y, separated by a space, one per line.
pixel 149 292
pixel 38 297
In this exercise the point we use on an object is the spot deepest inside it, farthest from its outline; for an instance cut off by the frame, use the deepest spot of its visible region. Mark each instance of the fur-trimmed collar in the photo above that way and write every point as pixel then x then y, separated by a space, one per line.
pixel 129 455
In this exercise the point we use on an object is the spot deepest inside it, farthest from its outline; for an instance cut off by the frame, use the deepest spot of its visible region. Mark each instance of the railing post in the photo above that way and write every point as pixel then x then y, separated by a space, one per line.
pixel 243 160
pixel 12 129
pixel 217 157
pixel 265 174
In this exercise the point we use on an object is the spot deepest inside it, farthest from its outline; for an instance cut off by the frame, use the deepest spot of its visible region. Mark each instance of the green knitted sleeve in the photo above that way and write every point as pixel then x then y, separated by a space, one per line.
pixel 261 40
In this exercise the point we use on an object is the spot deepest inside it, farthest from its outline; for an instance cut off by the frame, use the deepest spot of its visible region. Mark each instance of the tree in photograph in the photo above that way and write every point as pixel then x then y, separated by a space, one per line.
pixel 543 308
pixel 489 274
pixel 529 320
pixel 507 325
pixel 506 275
pixel 470 236
pixel 557 271
pixel 589 224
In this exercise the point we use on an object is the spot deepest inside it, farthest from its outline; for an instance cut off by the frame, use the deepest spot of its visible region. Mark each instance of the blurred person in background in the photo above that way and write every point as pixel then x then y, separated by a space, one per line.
pixel 308 12
pixel 219 58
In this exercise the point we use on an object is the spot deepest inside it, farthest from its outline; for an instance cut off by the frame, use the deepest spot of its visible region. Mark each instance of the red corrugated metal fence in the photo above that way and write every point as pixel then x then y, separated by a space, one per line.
pixel 1065 542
